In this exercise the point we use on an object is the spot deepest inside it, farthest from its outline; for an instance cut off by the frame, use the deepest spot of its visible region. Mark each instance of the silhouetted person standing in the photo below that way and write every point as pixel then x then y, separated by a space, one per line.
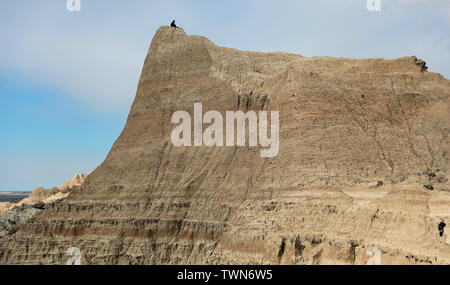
pixel 441 228
pixel 173 25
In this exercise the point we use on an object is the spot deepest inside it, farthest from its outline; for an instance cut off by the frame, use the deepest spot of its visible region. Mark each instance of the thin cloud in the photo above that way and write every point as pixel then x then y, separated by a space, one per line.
pixel 97 55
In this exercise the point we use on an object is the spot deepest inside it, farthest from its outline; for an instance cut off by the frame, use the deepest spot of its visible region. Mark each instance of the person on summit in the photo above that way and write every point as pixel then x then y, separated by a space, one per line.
pixel 173 25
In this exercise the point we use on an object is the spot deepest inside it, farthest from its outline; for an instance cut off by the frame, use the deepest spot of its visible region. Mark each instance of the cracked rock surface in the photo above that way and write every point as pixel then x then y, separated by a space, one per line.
pixel 11 219
pixel 345 126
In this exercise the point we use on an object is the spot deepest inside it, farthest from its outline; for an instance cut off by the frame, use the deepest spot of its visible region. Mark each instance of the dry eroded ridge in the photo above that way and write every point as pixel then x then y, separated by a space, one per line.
pixel 346 126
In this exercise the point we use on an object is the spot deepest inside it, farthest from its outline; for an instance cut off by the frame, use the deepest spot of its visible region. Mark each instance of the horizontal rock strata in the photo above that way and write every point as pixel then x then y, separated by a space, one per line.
pixel 359 139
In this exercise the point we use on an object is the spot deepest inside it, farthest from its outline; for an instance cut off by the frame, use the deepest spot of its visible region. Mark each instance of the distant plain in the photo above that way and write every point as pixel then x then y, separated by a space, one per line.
pixel 13 197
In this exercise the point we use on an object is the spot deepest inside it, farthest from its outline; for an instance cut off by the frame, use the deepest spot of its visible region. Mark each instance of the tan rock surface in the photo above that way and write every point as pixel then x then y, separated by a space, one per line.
pixel 77 180
pixel 42 194
pixel 345 124
pixel 55 197
pixel 5 206
pixel 38 195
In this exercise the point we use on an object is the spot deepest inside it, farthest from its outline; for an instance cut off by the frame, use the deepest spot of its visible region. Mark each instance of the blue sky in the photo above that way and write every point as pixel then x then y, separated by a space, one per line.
pixel 67 79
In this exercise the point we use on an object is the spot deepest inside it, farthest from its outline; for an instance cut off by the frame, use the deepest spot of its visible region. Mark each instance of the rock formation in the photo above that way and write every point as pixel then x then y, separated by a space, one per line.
pixel 11 219
pixel 39 195
pixel 345 126
pixel 4 206
pixel 75 181
pixel 12 216
pixel 46 195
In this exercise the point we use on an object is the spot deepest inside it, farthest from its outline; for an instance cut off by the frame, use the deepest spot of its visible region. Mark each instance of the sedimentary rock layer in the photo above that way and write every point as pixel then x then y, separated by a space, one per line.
pixel 346 125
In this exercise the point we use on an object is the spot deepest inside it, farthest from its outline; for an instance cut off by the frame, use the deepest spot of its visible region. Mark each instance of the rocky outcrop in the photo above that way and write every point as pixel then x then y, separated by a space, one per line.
pixel 56 193
pixel 38 195
pixel 75 181
pixel 12 216
pixel 345 126
pixel 421 63
pixel 11 219
pixel 4 206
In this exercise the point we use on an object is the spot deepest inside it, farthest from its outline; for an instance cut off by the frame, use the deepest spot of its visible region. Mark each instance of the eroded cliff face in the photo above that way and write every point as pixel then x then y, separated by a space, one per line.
pixel 345 126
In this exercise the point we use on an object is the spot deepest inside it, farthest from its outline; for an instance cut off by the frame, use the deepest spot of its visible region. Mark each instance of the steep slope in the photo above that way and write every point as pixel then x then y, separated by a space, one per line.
pixel 346 125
